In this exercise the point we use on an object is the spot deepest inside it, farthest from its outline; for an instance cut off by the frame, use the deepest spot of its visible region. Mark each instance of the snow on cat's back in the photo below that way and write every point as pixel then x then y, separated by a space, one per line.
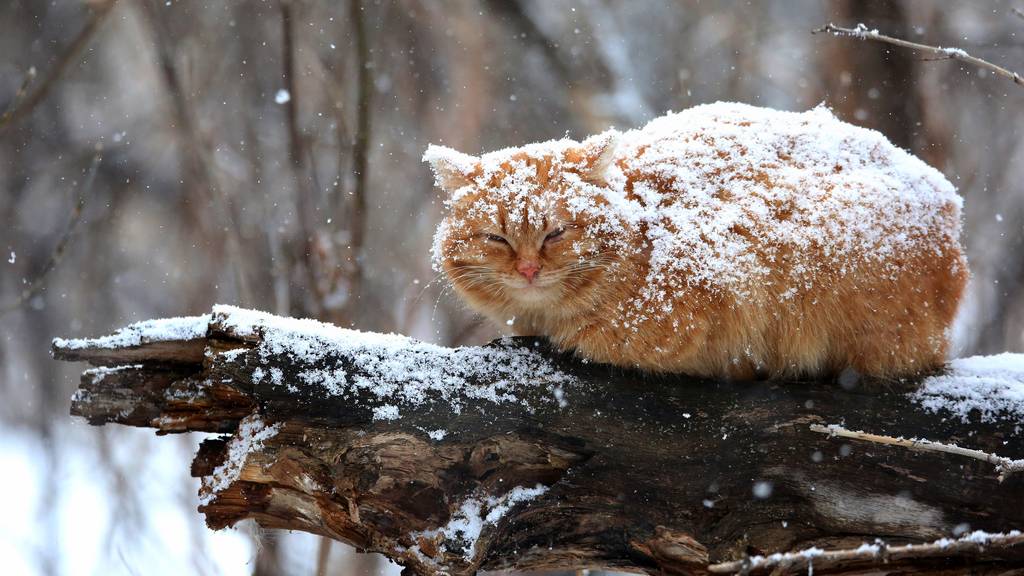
pixel 749 242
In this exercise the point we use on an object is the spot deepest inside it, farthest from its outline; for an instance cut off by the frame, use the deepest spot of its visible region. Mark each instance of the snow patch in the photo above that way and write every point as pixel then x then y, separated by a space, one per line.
pixel 982 537
pixel 866 548
pixel 96 375
pixel 808 554
pixel 160 330
pixel 991 386
pixel 252 433
pixel 861 31
pixel 233 354
pixel 468 522
pixel 386 412
pixel 188 394
pixel 396 370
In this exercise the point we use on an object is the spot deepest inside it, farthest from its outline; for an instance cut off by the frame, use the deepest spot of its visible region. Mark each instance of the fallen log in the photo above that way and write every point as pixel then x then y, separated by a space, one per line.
pixel 512 456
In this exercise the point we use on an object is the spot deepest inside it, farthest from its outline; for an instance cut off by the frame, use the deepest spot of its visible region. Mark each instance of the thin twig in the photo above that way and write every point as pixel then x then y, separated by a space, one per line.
pixel 1004 466
pixel 869 555
pixel 24 107
pixel 30 77
pixel 1018 12
pixel 57 255
pixel 862 32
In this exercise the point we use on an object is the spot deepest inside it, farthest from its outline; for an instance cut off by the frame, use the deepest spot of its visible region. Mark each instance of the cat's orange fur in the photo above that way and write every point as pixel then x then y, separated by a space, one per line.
pixel 807 308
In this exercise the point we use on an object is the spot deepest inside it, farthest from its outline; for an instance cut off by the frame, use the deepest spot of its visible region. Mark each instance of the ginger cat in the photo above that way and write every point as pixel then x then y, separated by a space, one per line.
pixel 722 241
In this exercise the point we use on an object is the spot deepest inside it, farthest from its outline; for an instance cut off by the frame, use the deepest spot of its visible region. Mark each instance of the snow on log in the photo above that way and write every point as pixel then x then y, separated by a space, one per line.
pixel 453 460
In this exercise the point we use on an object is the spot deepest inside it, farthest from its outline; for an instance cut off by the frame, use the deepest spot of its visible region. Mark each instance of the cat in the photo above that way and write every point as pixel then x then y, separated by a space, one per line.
pixel 723 241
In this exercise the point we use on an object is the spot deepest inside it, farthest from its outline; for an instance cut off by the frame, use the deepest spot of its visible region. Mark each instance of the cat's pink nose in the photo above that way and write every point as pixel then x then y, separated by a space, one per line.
pixel 528 268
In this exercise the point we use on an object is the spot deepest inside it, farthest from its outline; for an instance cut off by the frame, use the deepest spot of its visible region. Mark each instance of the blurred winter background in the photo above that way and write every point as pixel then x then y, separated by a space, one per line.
pixel 267 154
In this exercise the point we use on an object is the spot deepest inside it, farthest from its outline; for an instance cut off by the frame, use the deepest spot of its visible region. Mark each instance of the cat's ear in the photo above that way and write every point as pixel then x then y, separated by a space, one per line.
pixel 452 169
pixel 598 155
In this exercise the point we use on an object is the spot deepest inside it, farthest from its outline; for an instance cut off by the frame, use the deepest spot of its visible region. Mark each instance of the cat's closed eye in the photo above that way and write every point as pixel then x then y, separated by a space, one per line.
pixel 496 238
pixel 555 235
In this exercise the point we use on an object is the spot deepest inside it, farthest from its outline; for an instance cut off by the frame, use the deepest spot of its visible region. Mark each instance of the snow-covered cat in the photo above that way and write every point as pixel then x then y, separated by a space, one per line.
pixel 724 240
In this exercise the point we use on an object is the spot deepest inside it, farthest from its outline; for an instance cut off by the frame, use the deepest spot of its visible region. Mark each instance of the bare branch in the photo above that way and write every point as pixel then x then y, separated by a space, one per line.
pixel 20 107
pixel 58 251
pixel 394 446
pixel 877 554
pixel 30 77
pixel 1005 466
pixel 862 32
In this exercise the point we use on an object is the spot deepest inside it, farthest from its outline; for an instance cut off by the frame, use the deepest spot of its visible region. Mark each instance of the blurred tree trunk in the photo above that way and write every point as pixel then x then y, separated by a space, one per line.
pixel 268 558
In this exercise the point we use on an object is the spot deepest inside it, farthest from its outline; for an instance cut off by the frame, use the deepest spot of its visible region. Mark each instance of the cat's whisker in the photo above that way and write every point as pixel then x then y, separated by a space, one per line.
pixel 437 302
pixel 423 290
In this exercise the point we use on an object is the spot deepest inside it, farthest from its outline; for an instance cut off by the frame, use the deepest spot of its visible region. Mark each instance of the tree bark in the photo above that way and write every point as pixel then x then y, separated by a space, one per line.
pixel 561 465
